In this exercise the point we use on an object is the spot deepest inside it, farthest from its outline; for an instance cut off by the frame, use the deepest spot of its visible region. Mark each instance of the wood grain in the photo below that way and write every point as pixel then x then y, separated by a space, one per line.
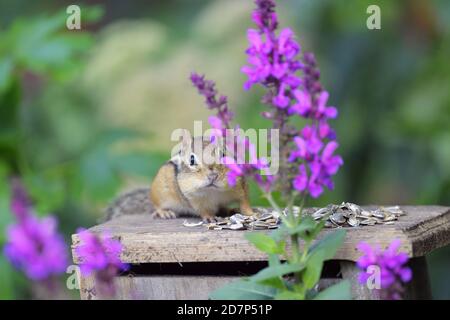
pixel 145 240
pixel 351 272
pixel 157 287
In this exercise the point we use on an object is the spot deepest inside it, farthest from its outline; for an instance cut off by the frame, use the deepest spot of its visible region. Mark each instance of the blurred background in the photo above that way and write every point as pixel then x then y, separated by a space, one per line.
pixel 87 114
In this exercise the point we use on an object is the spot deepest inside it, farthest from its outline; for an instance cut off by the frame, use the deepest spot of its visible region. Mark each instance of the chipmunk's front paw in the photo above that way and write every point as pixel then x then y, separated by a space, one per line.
pixel 209 219
pixel 164 214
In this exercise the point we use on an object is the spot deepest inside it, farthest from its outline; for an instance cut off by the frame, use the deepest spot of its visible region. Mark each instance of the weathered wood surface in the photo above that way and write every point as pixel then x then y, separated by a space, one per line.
pixel 181 286
pixel 148 240
pixel 350 271
pixel 174 287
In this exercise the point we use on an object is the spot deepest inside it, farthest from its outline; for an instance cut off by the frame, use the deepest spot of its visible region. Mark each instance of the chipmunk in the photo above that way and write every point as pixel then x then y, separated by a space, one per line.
pixel 186 185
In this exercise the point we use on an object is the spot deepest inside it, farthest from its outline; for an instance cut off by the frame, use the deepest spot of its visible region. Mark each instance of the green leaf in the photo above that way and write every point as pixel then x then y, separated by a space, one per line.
pixel 100 179
pixel 306 225
pixel 139 164
pixel 6 69
pixel 6 280
pixel 289 295
pixel 111 136
pixel 243 290
pixel 9 131
pixel 308 229
pixel 43 44
pixel 264 243
pixel 339 291
pixel 274 260
pixel 276 271
pixel 277 283
pixel 280 233
pixel 329 244
pixel 46 188
pixel 99 169
pixel 6 216
pixel 92 13
pixel 313 270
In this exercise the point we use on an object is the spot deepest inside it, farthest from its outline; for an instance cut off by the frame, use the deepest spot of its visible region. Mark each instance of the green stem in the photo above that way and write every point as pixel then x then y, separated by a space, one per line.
pixel 273 203
pixel 295 249
pixel 302 203
pixel 305 252
pixel 290 205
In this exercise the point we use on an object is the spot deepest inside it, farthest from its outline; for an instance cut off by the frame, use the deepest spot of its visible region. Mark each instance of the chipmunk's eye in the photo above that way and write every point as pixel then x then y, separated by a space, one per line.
pixel 192 161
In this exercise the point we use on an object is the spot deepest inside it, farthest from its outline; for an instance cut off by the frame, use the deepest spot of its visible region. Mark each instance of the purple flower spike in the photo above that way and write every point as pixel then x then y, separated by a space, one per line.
pixel 253 168
pixel 264 16
pixel 292 80
pixel 34 245
pixel 207 88
pixel 98 252
pixel 100 256
pixel 273 62
pixel 394 272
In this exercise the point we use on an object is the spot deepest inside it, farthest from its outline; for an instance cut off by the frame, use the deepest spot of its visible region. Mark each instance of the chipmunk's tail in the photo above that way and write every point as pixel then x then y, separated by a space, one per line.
pixel 134 202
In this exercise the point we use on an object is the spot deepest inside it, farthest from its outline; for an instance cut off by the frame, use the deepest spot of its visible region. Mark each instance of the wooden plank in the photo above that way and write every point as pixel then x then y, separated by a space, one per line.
pixel 351 272
pixel 164 287
pixel 146 240
pixel 87 287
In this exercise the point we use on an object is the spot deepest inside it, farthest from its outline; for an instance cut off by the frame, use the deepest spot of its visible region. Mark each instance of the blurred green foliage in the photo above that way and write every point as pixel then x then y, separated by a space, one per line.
pixel 50 134
pixel 86 114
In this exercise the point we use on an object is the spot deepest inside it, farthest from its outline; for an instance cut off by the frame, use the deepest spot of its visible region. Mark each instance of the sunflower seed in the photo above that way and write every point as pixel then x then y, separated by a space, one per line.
pixel 337 218
pixel 378 214
pixel 221 223
pixel 390 218
pixel 192 224
pixel 353 222
pixel 345 213
pixel 237 218
pixel 366 213
pixel 265 216
pixel 320 213
pixel 394 210
pixel 354 208
pixel 237 226
pixel 369 222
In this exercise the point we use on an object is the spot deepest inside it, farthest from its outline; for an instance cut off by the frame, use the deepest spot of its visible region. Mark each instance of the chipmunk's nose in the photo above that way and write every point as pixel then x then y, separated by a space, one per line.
pixel 212 176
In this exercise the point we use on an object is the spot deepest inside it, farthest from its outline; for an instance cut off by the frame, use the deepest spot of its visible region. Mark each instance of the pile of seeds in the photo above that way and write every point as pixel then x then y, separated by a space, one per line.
pixel 344 215
pixel 351 215
pixel 263 219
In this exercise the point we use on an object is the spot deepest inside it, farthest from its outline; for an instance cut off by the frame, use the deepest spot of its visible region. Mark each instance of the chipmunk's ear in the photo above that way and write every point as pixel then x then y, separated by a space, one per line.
pixel 186 143
pixel 177 160
pixel 184 146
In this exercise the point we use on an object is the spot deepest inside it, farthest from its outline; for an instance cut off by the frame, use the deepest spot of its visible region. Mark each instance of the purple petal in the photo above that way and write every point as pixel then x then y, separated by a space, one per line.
pixel 406 274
